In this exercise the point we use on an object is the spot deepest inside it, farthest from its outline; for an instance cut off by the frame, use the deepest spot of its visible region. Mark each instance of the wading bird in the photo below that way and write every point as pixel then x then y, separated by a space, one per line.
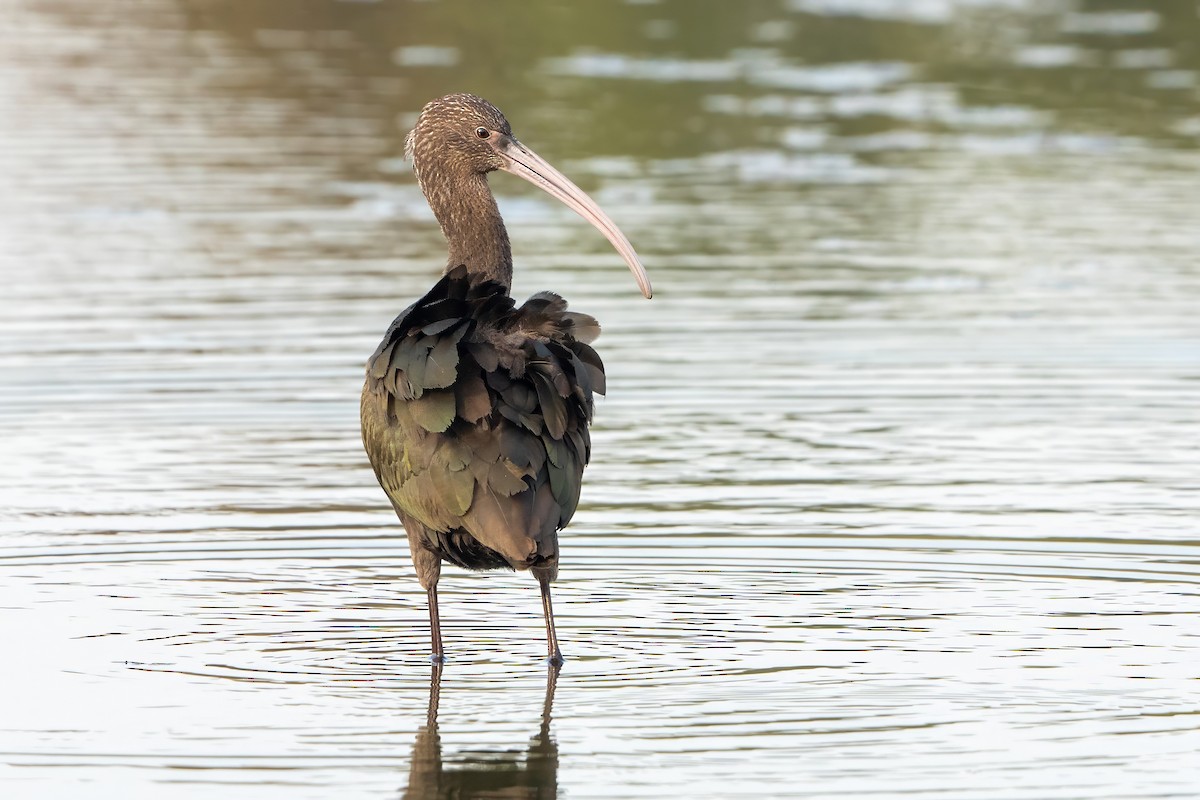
pixel 475 411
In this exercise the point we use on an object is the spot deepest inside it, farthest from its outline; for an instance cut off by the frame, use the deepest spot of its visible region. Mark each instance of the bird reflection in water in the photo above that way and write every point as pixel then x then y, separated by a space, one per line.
pixel 533 775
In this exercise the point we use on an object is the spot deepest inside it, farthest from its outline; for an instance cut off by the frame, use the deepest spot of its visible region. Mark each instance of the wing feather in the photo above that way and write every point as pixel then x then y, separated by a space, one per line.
pixel 475 416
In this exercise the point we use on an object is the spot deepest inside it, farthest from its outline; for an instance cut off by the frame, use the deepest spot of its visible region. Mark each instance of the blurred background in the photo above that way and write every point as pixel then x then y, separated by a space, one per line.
pixel 894 492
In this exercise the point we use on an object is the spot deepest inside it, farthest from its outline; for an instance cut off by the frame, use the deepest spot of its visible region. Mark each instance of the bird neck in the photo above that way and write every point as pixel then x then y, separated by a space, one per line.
pixel 473 228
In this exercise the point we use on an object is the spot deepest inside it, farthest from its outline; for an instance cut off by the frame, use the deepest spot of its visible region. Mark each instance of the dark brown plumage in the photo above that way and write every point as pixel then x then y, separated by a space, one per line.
pixel 475 411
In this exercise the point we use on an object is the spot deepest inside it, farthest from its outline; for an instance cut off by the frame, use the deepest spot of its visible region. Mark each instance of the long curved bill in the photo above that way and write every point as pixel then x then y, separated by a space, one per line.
pixel 523 162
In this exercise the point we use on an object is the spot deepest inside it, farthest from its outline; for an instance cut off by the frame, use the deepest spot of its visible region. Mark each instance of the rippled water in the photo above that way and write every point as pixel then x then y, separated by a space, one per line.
pixel 894 493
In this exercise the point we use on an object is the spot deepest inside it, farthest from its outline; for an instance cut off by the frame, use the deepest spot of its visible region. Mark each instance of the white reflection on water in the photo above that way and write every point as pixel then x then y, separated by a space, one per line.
pixel 894 491
pixel 756 67
pixel 930 12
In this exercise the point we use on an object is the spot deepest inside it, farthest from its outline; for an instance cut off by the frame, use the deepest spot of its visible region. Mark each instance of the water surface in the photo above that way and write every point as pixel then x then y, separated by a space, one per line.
pixel 894 492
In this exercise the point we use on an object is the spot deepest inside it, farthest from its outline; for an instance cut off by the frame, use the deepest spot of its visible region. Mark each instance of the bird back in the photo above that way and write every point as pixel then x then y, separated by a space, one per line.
pixel 475 416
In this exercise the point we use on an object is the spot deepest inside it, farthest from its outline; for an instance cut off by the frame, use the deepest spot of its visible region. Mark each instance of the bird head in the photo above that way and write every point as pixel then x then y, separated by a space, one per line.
pixel 459 133
pixel 460 136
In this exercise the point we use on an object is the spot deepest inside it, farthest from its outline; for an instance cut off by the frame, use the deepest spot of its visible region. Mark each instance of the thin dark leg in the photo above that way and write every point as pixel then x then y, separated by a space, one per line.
pixel 428 565
pixel 554 655
pixel 435 626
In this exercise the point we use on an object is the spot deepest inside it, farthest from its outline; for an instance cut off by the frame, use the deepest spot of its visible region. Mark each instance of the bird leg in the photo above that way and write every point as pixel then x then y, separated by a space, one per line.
pixel 554 655
pixel 429 568
pixel 435 626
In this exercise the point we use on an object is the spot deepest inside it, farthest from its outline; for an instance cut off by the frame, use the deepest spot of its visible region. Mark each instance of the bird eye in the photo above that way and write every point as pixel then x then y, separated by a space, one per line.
pixel 482 133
